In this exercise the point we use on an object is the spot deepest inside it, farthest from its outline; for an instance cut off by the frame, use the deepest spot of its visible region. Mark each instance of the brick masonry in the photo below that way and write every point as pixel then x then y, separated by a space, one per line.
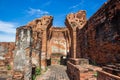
pixel 6 51
pixel 96 39
pixel 99 39
pixel 6 59
pixel 73 22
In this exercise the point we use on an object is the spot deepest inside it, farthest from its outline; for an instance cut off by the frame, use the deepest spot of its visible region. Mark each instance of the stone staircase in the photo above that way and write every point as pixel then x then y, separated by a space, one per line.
pixel 113 69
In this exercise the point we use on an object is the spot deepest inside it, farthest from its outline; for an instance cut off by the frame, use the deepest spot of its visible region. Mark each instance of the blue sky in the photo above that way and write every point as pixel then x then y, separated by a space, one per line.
pixel 15 13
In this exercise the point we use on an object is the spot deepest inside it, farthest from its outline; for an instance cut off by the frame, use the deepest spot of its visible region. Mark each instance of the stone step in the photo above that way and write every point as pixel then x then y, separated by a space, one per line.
pixel 18 76
pixel 5 77
pixel 2 63
pixel 112 70
pixel 3 68
pixel 2 78
pixel 116 66
pixel 111 66
pixel 3 73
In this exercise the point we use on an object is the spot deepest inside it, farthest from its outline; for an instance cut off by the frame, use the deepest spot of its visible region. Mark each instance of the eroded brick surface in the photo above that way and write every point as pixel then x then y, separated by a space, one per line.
pixel 6 59
pixel 82 72
pixel 30 45
pixel 99 38
pixel 73 22
pixel 96 39
pixel 58 45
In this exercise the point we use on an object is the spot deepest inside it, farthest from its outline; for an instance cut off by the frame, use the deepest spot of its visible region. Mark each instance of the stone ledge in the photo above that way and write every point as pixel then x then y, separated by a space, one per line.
pixel 102 75
pixel 79 61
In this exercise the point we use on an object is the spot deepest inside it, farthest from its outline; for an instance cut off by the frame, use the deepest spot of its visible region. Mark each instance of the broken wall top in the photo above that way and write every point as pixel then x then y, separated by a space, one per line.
pixel 76 19
pixel 42 23
pixel 58 28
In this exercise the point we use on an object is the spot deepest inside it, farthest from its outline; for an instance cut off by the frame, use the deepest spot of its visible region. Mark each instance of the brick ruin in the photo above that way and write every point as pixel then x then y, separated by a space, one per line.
pixel 99 42
pixel 39 44
pixel 6 59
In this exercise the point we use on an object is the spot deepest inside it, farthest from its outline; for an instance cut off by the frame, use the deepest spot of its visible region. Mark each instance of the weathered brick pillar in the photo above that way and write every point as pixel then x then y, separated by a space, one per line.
pixel 74 43
pixel 22 54
pixel 48 49
pixel 36 47
pixel 44 50
pixel 74 21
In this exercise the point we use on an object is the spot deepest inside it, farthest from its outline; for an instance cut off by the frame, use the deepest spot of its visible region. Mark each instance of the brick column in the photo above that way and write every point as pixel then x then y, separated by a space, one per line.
pixel 44 50
pixel 74 44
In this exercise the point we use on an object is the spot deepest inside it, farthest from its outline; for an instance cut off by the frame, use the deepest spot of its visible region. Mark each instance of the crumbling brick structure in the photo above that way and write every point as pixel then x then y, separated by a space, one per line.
pixel 99 39
pixel 58 44
pixel 31 46
pixel 6 59
pixel 74 22
pixel 36 43
pixel 39 44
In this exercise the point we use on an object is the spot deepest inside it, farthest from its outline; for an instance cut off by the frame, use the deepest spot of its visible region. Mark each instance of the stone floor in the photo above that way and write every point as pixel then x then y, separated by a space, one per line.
pixel 54 72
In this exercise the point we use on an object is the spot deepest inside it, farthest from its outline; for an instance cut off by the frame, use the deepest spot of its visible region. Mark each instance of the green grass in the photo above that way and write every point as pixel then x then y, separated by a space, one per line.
pixel 37 72
pixel 33 77
pixel 95 74
pixel 8 67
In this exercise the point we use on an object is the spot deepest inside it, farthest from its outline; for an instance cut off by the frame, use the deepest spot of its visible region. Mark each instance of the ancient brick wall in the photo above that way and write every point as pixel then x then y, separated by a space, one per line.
pixel 59 40
pixel 6 58
pixel 99 39
pixel 57 43
pixel 31 46
pixel 6 51
pixel 73 71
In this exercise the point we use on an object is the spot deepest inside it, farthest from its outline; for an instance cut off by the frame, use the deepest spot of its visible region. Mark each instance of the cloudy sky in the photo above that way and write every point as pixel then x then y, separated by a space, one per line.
pixel 15 13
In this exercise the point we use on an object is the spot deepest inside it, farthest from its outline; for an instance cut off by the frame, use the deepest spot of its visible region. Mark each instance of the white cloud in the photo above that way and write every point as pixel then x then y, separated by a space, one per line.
pixel 77 5
pixel 74 6
pixel 7 38
pixel 7 27
pixel 7 31
pixel 47 3
pixel 37 12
